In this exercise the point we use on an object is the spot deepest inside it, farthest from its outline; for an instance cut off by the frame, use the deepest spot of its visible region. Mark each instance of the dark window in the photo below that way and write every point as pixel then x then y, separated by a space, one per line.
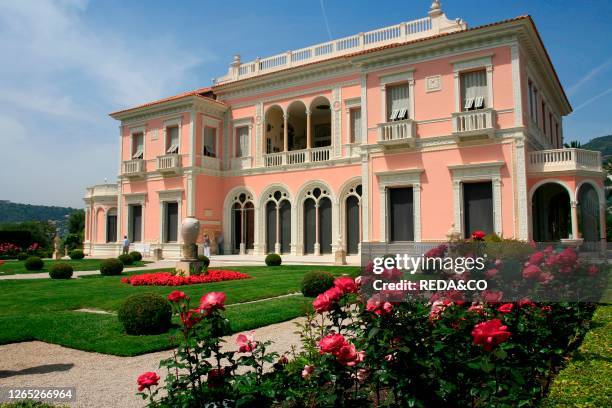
pixel 135 214
pixel 352 225
pixel 401 212
pixel 477 207
pixel 310 215
pixel 325 225
pixel 171 222
pixel 285 229
pixel 270 226
pixel 111 228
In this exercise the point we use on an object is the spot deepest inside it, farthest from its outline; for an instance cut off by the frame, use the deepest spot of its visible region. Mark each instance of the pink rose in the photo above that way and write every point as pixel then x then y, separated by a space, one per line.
pixel 322 303
pixel 332 343
pixel 346 284
pixel 490 296
pixel 526 302
pixel 212 301
pixel 147 380
pixel 176 296
pixel 537 258
pixel 531 272
pixel 307 371
pixel 347 355
pixel 490 333
pixel 246 342
pixel 506 308
pixel 190 318
pixel 334 294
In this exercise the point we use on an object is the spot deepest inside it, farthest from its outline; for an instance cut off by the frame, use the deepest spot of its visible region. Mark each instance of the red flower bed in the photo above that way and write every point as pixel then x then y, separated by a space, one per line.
pixel 167 279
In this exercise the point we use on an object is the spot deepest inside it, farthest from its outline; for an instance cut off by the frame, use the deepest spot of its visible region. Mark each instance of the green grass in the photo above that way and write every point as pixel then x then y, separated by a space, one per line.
pixel 15 267
pixel 45 309
pixel 587 379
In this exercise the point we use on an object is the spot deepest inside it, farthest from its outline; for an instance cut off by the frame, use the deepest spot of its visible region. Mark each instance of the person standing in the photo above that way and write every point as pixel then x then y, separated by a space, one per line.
pixel 220 243
pixel 126 245
pixel 206 246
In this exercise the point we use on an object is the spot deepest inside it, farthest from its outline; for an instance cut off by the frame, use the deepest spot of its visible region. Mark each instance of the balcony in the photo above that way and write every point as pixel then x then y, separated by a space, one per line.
pixel 134 168
pixel 474 125
pixel 211 163
pixel 399 133
pixel 169 163
pixel 297 157
pixel 564 160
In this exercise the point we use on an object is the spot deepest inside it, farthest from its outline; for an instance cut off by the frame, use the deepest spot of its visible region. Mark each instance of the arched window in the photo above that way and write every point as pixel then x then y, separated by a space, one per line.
pixel 243 223
pixel 111 225
pixel 317 221
pixel 588 213
pixel 278 222
pixel 551 213
pixel 353 219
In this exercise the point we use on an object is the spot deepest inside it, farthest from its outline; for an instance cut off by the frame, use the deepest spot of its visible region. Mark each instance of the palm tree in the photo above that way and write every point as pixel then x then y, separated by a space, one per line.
pixel 574 144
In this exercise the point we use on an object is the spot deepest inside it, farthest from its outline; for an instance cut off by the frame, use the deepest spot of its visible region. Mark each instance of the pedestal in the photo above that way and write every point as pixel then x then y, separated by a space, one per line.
pixel 340 257
pixel 188 267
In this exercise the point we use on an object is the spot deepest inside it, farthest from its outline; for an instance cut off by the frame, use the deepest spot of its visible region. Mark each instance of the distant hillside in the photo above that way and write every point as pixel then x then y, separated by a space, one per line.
pixel 15 212
pixel 603 144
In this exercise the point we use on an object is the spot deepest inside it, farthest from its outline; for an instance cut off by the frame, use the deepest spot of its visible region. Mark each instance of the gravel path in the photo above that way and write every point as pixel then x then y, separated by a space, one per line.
pixel 103 380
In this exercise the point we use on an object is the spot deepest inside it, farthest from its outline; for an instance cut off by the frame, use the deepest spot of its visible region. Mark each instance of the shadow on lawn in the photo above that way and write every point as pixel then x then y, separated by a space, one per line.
pixel 41 369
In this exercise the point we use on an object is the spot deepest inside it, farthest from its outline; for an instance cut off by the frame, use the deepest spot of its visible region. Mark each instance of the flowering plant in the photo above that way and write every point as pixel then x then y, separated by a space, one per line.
pixel 167 279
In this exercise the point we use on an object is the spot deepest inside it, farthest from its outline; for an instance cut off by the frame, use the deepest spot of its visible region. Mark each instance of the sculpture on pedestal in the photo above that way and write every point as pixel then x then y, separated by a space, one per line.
pixel 56 247
pixel 189 264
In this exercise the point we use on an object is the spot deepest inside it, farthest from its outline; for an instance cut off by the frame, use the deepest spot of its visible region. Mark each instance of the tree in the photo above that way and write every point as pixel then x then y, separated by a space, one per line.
pixel 42 231
pixel 76 222
pixel 574 144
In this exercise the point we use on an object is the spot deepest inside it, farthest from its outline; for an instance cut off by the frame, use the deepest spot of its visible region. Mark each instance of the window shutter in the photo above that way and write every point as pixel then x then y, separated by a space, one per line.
pixel 474 90
pixel 397 100
pixel 209 142
pixel 355 125
pixel 172 139
pixel 242 145
pixel 138 146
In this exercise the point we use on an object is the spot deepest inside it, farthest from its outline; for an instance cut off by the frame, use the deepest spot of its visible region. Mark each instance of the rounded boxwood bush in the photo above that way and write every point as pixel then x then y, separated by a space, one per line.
pixel 110 267
pixel 204 259
pixel 126 259
pixel 316 282
pixel 34 263
pixel 22 256
pixel 145 313
pixel 76 254
pixel 273 260
pixel 136 256
pixel 60 270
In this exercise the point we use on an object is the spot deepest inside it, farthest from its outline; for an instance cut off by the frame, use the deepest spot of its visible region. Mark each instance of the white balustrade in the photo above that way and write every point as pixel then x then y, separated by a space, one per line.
pixel 168 162
pixel 274 159
pixel 396 131
pixel 211 163
pixel 133 167
pixel 320 154
pixel 296 157
pixel 564 160
pixel 471 121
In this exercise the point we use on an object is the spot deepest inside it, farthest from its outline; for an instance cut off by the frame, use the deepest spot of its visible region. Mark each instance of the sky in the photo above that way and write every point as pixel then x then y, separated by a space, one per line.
pixel 66 64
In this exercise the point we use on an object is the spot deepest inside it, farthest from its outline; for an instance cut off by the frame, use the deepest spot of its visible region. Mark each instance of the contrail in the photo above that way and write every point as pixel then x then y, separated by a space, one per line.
pixel 593 99
pixel 574 88
pixel 325 19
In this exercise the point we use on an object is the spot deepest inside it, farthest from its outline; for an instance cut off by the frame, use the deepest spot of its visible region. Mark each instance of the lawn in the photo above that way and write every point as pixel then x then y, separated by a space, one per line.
pixel 587 379
pixel 45 309
pixel 15 267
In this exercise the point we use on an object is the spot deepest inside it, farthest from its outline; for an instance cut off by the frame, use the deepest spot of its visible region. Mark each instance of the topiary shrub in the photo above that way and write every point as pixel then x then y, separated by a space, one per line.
pixel 22 256
pixel 126 259
pixel 204 259
pixel 60 270
pixel 34 263
pixel 110 267
pixel 145 313
pixel 76 254
pixel 136 256
pixel 273 260
pixel 316 282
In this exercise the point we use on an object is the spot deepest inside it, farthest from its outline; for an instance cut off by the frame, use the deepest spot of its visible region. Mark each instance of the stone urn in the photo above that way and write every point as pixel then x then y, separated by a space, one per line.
pixel 190 228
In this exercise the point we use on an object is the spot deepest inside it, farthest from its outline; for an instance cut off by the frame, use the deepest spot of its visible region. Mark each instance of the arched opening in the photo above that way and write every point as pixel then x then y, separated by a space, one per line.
pixel 588 213
pixel 243 224
pixel 317 222
pixel 278 223
pixel 551 213
pixel 320 112
pixel 296 126
pixel 353 220
pixel 111 225
pixel 274 130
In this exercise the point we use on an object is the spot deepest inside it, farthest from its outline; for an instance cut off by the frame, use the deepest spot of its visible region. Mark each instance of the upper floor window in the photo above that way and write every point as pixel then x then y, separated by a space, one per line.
pixel 210 145
pixel 473 90
pixel 355 125
pixel 137 145
pixel 543 117
pixel 242 141
pixel 532 102
pixel 172 139
pixel 397 102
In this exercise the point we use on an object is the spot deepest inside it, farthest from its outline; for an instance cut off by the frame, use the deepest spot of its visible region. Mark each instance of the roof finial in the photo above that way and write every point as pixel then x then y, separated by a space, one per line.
pixel 435 9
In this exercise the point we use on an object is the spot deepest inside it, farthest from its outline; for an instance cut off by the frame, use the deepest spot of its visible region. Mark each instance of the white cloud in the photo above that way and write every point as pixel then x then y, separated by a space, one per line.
pixel 590 75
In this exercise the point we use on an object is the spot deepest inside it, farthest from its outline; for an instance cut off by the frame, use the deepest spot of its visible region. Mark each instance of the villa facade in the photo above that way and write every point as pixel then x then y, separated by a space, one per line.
pixel 394 135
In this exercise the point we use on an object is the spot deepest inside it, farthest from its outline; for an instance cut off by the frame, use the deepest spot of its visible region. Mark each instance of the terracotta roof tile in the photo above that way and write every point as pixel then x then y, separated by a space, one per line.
pixel 201 92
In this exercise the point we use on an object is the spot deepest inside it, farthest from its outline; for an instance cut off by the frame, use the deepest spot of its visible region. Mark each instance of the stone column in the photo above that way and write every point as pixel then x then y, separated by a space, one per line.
pixel 574 217
pixel 308 130
pixel 277 245
pixel 285 132
pixel 242 221
pixel 317 245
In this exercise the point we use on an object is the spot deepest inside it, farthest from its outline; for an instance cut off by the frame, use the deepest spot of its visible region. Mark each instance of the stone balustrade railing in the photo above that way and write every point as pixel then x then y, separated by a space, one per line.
pixel 564 160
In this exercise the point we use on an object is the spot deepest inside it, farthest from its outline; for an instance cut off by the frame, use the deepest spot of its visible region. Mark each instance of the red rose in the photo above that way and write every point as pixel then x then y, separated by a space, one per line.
pixel 246 342
pixel 212 301
pixel 478 235
pixel 346 284
pixel 215 377
pixel 592 270
pixel 526 302
pixel 506 308
pixel 334 294
pixel 546 309
pixel 147 380
pixel 531 272
pixel 376 305
pixel 191 318
pixel 322 303
pixel 177 296
pixel 537 258
pixel 331 343
pixel 347 355
pixel 477 308
pixel 490 296
pixel 490 333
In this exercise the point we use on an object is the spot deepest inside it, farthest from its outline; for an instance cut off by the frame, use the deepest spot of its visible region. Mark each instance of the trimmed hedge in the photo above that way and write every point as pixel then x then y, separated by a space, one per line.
pixel 273 260
pixel 34 263
pixel 110 267
pixel 204 259
pixel 22 256
pixel 145 313
pixel 61 270
pixel 316 282
pixel 136 256
pixel 126 259
pixel 76 254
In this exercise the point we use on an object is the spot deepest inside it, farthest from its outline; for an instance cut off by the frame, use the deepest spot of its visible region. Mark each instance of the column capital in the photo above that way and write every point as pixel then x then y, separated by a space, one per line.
pixel 285 116
pixel 308 112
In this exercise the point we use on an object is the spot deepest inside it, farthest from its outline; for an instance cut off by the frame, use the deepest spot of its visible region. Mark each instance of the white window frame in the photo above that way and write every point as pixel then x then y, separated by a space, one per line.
pixel 134 131
pixel 240 123
pixel 166 196
pixel 211 123
pixel 349 105
pixel 170 123
pixel 396 78
pixel 134 199
pixel 473 64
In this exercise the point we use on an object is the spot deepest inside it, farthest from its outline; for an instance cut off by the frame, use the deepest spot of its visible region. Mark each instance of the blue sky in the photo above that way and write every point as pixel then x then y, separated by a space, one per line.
pixel 67 63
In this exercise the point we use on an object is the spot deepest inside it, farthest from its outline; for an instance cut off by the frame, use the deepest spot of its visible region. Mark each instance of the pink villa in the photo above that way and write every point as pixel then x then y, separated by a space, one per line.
pixel 401 134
